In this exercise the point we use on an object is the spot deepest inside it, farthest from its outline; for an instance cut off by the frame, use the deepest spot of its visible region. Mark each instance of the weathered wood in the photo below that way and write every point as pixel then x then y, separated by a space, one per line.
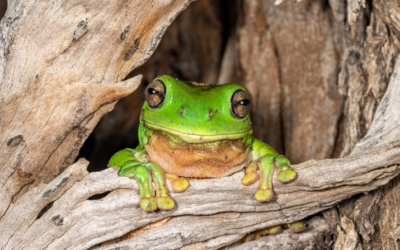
pixel 348 237
pixel 171 236
pixel 385 128
pixel 370 50
pixel 371 44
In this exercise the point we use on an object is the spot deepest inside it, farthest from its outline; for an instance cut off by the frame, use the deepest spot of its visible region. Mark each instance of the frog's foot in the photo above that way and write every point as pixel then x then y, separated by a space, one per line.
pixel 264 192
pixel 144 174
pixel 148 204
pixel 256 235
pixel 264 195
pixel 163 199
pixel 251 174
pixel 285 172
pixel 270 230
pixel 179 185
pixel 297 226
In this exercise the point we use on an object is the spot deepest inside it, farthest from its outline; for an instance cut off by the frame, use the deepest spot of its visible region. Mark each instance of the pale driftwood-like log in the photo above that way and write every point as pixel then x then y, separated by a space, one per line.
pixel 73 222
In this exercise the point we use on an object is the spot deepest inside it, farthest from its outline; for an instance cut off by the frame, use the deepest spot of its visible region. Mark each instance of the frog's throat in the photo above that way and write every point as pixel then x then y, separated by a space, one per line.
pixel 192 138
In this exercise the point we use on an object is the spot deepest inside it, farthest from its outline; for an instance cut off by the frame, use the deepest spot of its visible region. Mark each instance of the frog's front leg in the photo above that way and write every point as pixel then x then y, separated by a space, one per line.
pixel 133 164
pixel 265 159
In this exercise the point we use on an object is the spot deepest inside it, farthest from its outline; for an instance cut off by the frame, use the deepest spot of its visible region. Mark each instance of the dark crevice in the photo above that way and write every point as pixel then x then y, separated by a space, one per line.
pixel 281 118
pixel 338 140
pixel 228 14
pixel 44 210
pixel 368 11
pixel 13 198
pixel 99 196
pixel 326 7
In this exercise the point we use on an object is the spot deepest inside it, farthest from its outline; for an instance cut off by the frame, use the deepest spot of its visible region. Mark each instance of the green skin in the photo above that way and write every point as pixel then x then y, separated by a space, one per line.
pixel 205 118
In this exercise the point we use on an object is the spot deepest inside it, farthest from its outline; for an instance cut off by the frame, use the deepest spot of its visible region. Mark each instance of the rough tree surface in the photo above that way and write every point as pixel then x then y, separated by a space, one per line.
pixel 318 72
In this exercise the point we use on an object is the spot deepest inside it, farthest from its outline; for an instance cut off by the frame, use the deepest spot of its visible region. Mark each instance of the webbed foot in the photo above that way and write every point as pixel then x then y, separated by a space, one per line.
pixel 266 166
pixel 285 172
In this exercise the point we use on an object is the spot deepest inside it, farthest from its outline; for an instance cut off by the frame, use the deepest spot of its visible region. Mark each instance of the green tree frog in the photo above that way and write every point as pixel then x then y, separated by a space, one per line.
pixel 190 129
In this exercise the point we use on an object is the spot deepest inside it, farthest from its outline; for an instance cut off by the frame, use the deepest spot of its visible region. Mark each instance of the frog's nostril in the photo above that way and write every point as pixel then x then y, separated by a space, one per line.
pixel 210 114
pixel 181 110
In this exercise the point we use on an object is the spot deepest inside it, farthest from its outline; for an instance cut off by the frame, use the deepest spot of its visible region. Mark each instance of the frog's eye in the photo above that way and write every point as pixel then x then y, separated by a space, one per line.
pixel 155 94
pixel 240 104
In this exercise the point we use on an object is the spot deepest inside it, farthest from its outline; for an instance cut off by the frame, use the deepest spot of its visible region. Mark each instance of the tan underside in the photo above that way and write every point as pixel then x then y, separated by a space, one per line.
pixel 195 160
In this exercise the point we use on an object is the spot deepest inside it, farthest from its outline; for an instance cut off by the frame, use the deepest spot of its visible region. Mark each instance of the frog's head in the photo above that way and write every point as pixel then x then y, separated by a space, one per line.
pixel 197 113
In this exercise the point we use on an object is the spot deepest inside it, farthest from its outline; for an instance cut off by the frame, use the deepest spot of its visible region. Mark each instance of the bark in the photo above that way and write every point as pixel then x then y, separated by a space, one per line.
pixel 371 43
pixel 367 62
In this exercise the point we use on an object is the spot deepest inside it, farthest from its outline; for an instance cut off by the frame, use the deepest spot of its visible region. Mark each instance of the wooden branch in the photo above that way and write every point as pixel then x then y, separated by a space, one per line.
pixel 74 222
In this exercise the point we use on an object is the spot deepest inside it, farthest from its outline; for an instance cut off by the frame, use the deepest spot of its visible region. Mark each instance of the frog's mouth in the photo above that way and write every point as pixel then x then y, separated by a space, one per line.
pixel 195 138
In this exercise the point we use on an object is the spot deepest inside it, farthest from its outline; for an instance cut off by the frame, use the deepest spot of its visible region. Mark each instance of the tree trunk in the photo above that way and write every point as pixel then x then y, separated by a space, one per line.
pixel 318 73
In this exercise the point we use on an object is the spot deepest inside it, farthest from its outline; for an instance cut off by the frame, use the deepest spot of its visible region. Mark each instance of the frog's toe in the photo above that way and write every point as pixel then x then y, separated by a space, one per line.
pixel 286 174
pixel 271 230
pixel 250 178
pixel 165 203
pixel 178 184
pixel 148 204
pixel 268 230
pixel 298 226
pixel 251 174
pixel 264 195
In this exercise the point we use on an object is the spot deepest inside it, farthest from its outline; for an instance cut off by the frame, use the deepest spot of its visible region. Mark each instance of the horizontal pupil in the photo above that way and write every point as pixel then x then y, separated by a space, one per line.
pixel 152 91
pixel 244 102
